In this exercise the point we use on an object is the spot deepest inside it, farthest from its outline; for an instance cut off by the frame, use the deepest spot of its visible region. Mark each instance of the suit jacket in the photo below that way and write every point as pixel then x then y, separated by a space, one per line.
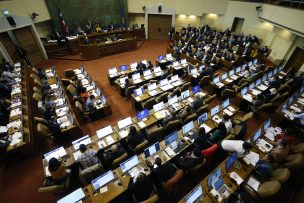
pixel 134 140
pixel 164 172
pixel 142 189
pixel 201 142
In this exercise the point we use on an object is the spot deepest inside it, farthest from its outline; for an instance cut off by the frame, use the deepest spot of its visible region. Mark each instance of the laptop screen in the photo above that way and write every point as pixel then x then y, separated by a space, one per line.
pixel 244 91
pixel 231 72
pixel 152 150
pixel 158 107
pixel 56 153
pixel 196 89
pixel 174 78
pixel 142 114
pixel 133 65
pixel 136 76
pixel 112 71
pixel 225 103
pixel 194 71
pixel 185 94
pixel 123 68
pixel 251 86
pixel 217 173
pixel 267 125
pixel 123 80
pixel 172 100
pixel 284 107
pixel 83 140
pixel 270 74
pixel 104 131
pixel 139 91
pixel 250 63
pixel 73 197
pixel 216 79
pixel 238 69
pixel 171 138
pixel 157 69
pixel 194 195
pixel 160 58
pixel 255 61
pixel 257 135
pixel 219 183
pixel 183 61
pixel 214 110
pixel 152 86
pixel 290 100
pixel 103 99
pixel 202 118
pixel 163 82
pixel 188 127
pixel 264 77
pixel 147 72
pixel 124 122
pixel 175 63
pixel 259 81
pixel 224 76
pixel 168 56
pixel 231 160
pixel 128 164
pixel 103 180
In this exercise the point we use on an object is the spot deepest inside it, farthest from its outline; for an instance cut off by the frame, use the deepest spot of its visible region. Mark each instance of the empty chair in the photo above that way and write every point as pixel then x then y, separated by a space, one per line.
pixel 275 99
pixel 130 90
pixel 37 82
pixel 173 126
pixel 189 118
pixel 141 146
pixel 283 96
pixel 35 70
pixel 155 133
pixel 266 189
pixel 202 110
pixel 57 188
pixel 294 161
pixel 299 148
pixel 176 92
pixel 79 107
pixel 185 86
pixel 69 73
pixel 37 97
pixel 163 97
pixel 43 130
pixel 280 174
pixel 149 103
pixel 268 107
pixel 238 88
pixel 72 90
pixel 90 173
pixel 119 159
pixel 228 93
pixel 37 89
pixel 34 76
pixel 205 81
pixel 209 99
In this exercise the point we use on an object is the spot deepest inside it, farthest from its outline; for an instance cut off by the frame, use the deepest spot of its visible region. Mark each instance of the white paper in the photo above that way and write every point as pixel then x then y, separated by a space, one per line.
pixel 231 108
pixel 3 129
pixel 76 154
pixel 252 182
pixel 236 177
pixel 101 144
pixel 109 140
pixel 103 189
pixel 123 133
pixel 141 124
pixel 226 111
pixel 170 152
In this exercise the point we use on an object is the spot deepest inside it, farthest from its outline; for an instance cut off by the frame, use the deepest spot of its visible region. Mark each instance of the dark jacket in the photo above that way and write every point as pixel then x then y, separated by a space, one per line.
pixel 164 172
pixel 201 142
pixel 134 140
pixel 142 189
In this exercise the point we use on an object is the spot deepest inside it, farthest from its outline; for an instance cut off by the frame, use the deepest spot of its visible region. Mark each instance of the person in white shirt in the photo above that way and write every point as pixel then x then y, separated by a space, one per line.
pixel 238 146
pixel 227 122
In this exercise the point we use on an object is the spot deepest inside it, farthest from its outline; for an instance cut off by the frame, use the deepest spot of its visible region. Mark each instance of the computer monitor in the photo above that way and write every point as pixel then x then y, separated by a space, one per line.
pixel 284 107
pixel 158 107
pixel 73 197
pixel 216 174
pixel 124 122
pixel 102 180
pixel 225 103
pixel 258 82
pixel 231 160
pixel 133 65
pixel 171 138
pixel 112 71
pixel 71 118
pixel 163 82
pixel 136 76
pixel 139 91
pixel 200 68
pixel 185 94
pixel 152 86
pixel 267 124
pixel 194 195
pixel 142 114
pixel 251 86
pixel 270 74
pixel 83 140
pixel 188 127
pixel 216 79
pixel 147 73
pixel 238 69
pixel 202 118
pixel 123 68
pixel 157 69
pixel 56 153
pixel 231 72
pixel 244 91
pixel 183 61
pixel 244 66
pixel 257 135
pixel 302 89
pixel 152 150
pixel 172 100
pixel 250 63
pixel 218 183
pixel 161 57
pixel 174 78
pixel 196 89
pixel 128 164
pixel 104 131
pixel 214 110
pixel 103 99
pixel 265 77
pixel 224 76
pixel 255 61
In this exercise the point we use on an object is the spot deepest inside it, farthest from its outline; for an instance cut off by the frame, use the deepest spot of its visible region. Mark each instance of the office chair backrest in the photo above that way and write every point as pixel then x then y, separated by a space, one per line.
pixel 37 82
pixel 79 106
pixel 149 103
pixel 228 93
pixel 43 130
pixel 185 86
pixel 35 70
pixel 140 147
pixel 37 97
pixel 90 173
pixel 69 73
pixel 173 126
pixel 130 90
pixel 72 90
pixel 209 99
pixel 205 80
pixel 163 97
pixel 189 118
pixel 169 185
pixel 202 110
pixel 119 159
pixel 155 133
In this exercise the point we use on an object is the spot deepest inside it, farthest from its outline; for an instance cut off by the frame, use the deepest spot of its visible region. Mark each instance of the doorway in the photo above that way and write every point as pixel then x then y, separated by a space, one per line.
pixel 159 26
pixel 296 59
pixel 237 25
pixel 9 46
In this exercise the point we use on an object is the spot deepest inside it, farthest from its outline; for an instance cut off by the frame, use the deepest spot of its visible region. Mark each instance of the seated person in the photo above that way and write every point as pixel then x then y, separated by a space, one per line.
pixel 198 102
pixel 88 157
pixel 281 151
pixel 270 95
pixel 126 86
pixel 275 82
pixel 134 137
pixel 184 113
pixel 238 146
pixel 219 134
pixel 256 102
pixel 201 142
pixel 79 88
pixel 52 125
pixel 227 122
pixel 48 102
pixel 247 72
pixel 141 187
pixel 163 172
pixel 89 104
pixel 115 152
pixel 191 159
pixel 288 135
pixel 263 168
pixel 57 170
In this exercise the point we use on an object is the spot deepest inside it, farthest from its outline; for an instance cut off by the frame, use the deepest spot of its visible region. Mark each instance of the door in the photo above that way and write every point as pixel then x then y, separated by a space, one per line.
pixel 9 46
pixel 27 41
pixel 237 25
pixel 159 26
pixel 296 59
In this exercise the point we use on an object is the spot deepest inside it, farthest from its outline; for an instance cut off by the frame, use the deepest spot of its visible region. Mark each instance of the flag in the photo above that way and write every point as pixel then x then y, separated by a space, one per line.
pixel 122 16
pixel 64 27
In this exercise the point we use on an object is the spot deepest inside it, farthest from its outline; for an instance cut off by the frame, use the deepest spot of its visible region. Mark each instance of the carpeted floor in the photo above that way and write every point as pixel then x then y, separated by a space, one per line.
pixel 21 176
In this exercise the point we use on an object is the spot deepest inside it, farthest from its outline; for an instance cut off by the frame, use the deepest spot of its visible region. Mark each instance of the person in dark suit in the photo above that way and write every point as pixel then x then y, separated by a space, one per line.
pixel 275 82
pixel 201 142
pixel 163 172
pixel 191 159
pixel 198 102
pixel 115 152
pixel 141 187
pixel 134 138
pixel 219 133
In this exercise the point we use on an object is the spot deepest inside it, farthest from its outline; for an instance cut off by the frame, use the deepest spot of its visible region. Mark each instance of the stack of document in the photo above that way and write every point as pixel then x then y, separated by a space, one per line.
pixel 231 108
pixel 236 177
pixel 248 97
pixel 253 183
pixel 102 144
pixel 76 155
pixel 109 140
pixel 206 127
pixel 170 152
pixel 141 124
pixel 262 87
pixel 255 92
pixel 153 92
pixel 123 133
pixel 3 129
pixel 219 84
pixel 251 158
pixel 228 80
pixel 15 112
pixel 229 113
